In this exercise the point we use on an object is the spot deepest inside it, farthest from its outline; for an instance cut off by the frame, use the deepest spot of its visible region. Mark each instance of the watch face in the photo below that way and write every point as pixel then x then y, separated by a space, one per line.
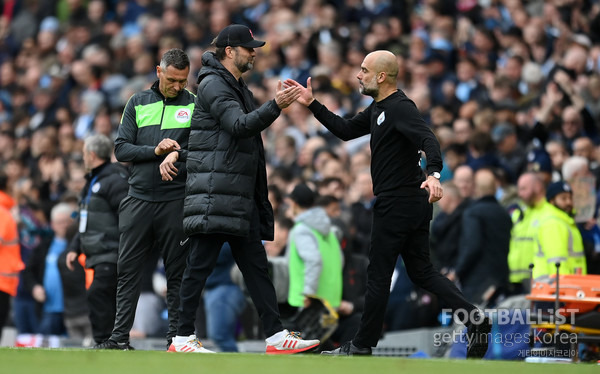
pixel 435 174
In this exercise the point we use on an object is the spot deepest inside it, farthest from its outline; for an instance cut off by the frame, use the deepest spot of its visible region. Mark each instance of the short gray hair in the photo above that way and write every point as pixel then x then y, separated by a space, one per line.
pixel 61 208
pixel 175 57
pixel 574 165
pixel 100 144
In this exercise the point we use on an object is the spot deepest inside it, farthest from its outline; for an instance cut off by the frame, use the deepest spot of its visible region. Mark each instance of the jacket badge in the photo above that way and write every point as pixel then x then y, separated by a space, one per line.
pixel 182 115
pixel 381 118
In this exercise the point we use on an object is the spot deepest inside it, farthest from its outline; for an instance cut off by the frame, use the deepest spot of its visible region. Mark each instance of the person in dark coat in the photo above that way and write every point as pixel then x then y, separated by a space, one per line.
pixel 97 236
pixel 226 190
pixel 446 229
pixel 41 275
pixel 482 263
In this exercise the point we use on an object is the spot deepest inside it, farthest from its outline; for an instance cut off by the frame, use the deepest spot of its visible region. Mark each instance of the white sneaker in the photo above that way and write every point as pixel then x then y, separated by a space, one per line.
pixel 291 343
pixel 187 344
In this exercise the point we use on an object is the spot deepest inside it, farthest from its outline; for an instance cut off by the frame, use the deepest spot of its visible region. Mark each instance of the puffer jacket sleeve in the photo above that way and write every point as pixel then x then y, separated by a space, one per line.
pixel 226 108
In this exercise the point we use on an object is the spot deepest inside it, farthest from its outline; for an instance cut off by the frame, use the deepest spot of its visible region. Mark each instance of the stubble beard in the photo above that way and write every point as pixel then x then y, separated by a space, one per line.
pixel 373 92
pixel 369 91
pixel 244 66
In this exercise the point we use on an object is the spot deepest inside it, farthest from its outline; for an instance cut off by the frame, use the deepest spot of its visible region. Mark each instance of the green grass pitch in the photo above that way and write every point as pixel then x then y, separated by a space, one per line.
pixel 79 361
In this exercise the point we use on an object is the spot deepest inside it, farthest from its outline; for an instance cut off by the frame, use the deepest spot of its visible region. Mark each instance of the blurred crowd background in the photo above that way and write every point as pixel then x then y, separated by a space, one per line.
pixel 504 84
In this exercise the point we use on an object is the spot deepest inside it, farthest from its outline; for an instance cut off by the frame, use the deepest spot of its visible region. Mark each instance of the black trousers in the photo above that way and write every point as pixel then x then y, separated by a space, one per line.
pixel 102 301
pixel 400 227
pixel 251 258
pixel 142 223
pixel 4 309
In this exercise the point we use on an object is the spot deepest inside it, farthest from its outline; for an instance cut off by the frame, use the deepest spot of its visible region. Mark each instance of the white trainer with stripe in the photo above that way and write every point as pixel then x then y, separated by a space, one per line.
pixel 187 344
pixel 291 343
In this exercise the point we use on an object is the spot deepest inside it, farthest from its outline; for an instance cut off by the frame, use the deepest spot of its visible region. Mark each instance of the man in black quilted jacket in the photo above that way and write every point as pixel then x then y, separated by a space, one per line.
pixel 98 231
pixel 226 190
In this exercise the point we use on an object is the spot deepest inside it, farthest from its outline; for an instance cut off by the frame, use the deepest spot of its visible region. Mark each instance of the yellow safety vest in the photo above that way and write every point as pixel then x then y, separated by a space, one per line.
pixel 522 246
pixel 558 239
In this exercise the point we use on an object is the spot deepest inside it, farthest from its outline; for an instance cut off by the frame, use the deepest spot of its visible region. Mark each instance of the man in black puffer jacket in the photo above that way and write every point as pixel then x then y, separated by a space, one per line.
pixel 226 189
pixel 98 234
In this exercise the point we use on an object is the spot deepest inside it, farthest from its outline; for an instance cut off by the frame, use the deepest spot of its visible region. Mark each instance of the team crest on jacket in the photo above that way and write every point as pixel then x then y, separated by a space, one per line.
pixel 381 118
pixel 182 115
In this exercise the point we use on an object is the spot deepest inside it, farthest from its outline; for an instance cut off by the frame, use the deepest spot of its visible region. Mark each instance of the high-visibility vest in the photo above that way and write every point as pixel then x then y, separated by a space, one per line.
pixel 522 246
pixel 330 280
pixel 557 239
pixel 10 253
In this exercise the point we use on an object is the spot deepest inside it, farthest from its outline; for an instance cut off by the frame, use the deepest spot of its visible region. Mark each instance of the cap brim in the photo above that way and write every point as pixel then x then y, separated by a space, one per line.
pixel 253 44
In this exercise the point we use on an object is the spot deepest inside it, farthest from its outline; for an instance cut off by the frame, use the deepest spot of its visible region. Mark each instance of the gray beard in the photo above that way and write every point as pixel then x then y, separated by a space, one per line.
pixel 369 91
pixel 245 67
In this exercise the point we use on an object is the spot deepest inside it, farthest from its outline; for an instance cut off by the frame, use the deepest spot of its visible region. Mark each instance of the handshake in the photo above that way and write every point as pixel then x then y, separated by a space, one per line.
pixel 290 91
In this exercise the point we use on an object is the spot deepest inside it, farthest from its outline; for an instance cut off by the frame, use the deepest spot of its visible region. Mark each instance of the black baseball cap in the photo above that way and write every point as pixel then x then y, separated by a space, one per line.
pixel 303 195
pixel 237 36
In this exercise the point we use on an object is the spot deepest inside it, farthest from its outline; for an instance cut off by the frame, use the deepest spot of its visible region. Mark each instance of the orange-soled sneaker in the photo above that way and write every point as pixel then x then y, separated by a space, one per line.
pixel 187 344
pixel 291 343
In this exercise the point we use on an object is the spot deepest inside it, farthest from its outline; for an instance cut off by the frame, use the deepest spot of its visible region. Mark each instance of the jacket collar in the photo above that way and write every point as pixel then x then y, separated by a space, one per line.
pixel 155 88
pixel 96 171
pixel 210 65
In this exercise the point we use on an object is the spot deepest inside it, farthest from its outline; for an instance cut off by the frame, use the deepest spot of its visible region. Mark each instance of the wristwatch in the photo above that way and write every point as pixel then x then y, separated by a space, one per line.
pixel 435 174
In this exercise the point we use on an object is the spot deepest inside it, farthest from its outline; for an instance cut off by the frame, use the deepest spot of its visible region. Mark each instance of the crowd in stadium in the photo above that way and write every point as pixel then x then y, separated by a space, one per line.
pixel 510 88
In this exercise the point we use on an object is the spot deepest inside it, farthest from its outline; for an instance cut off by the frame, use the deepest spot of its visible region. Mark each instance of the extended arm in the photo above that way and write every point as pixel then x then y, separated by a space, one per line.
pixel 226 108
pixel 344 129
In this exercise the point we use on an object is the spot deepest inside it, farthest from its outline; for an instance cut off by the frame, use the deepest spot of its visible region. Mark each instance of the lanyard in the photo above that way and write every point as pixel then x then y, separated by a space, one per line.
pixel 89 193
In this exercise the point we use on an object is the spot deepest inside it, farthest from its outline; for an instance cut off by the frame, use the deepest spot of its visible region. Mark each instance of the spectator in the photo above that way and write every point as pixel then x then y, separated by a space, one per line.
pixel 558 153
pixel 463 179
pixel 538 161
pixel 557 237
pixel 584 147
pixel 446 228
pixel 455 155
pixel 511 154
pixel 314 253
pixel 361 210
pixel 277 247
pixel 481 264
pixel 42 277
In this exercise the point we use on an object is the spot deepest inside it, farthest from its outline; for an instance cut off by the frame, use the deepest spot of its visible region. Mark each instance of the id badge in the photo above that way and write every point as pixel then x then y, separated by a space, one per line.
pixel 83 214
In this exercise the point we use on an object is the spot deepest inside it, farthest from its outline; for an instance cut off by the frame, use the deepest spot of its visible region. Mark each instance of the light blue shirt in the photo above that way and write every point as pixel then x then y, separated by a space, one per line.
pixel 52 281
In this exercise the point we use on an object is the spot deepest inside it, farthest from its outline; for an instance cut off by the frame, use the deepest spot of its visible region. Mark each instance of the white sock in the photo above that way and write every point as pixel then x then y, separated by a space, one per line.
pixel 277 337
